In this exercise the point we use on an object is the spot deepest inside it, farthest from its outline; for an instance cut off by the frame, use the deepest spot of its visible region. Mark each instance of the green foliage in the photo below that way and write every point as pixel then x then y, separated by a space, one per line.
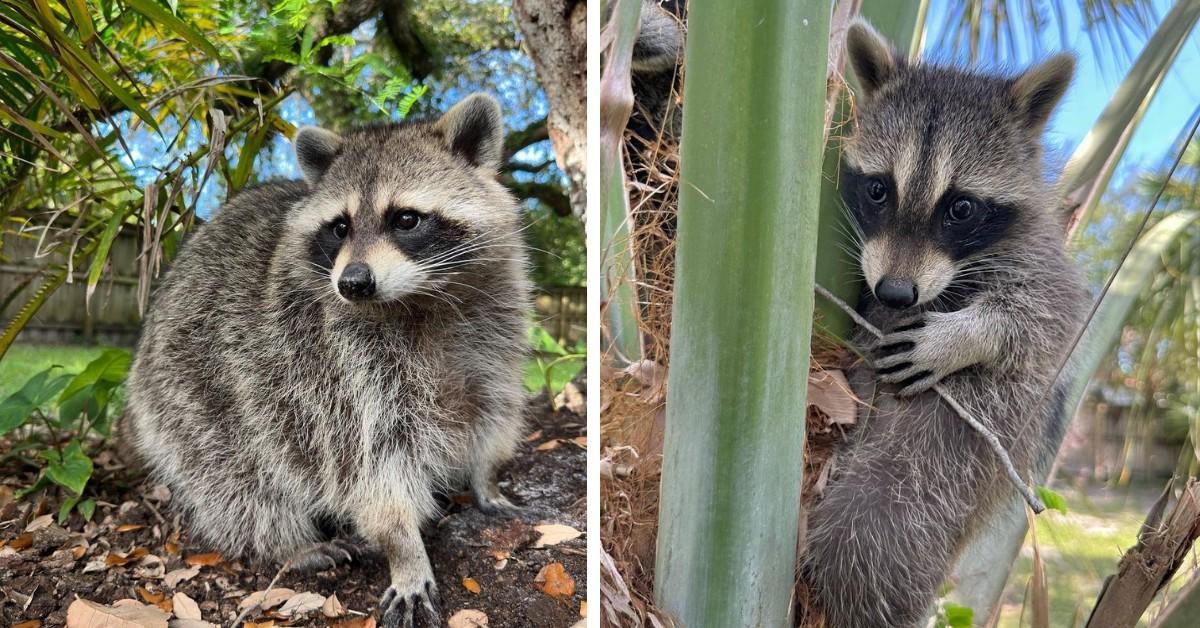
pixel 559 247
pixel 1052 500
pixel 954 616
pixel 552 365
pixel 57 415
pixel 83 82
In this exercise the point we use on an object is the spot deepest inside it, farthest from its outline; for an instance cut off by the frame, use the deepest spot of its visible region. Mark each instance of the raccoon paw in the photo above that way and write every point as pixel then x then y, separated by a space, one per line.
pixel 497 506
pixel 401 605
pixel 908 357
pixel 324 556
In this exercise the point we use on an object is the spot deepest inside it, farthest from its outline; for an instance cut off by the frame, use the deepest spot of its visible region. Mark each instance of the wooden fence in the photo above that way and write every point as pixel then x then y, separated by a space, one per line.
pixel 113 318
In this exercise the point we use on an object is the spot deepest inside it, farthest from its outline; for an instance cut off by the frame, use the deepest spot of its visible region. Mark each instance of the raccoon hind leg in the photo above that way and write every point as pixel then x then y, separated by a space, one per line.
pixel 495 437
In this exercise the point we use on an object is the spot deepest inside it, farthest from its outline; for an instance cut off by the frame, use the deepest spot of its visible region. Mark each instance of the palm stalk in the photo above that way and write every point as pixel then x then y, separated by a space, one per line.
pixel 732 463
pixel 617 276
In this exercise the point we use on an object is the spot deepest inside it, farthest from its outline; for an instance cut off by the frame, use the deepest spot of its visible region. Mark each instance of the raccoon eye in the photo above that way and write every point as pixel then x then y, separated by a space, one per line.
pixel 341 229
pixel 877 191
pixel 406 220
pixel 961 210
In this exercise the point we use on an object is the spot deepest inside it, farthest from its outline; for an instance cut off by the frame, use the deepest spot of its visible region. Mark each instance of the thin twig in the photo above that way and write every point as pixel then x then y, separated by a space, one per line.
pixel 253 607
pixel 989 437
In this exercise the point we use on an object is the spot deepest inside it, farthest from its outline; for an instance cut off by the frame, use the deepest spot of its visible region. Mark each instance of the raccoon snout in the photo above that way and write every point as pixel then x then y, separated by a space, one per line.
pixel 357 282
pixel 896 293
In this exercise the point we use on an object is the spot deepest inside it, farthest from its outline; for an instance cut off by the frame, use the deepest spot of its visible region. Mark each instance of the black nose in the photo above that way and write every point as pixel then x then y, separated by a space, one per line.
pixel 356 282
pixel 896 293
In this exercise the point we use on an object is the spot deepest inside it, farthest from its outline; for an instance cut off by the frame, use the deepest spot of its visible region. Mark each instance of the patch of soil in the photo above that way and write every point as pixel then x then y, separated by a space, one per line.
pixel 43 570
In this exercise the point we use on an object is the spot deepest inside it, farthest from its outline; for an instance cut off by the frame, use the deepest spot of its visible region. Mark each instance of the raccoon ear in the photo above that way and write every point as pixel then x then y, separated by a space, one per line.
pixel 474 130
pixel 874 60
pixel 315 149
pixel 1037 90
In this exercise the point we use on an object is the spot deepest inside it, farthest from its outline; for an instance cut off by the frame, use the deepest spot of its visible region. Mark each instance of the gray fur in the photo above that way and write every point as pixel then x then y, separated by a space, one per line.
pixel 913 483
pixel 269 404
pixel 657 55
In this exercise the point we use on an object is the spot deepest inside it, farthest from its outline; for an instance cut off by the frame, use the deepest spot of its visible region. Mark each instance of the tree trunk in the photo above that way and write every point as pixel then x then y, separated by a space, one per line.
pixel 754 106
pixel 555 34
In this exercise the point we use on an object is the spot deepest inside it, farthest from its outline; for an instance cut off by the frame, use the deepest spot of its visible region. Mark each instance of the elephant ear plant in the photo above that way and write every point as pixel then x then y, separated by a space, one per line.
pixel 54 421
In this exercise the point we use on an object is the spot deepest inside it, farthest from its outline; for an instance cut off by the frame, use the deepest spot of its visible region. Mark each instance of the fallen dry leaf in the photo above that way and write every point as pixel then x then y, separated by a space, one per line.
pixel 553 580
pixel 150 598
pixel 266 599
pixel 191 623
pixel 581 441
pixel 116 559
pixel 534 436
pixel 470 585
pixel 21 542
pixel 78 551
pixel 129 527
pixel 85 614
pixel 203 560
pixel 172 545
pixel 173 578
pixel 504 539
pixel 548 445
pixel 468 618
pixel 357 622
pixel 270 623
pixel 553 534
pixel 185 607
pixel 333 607
pixel 830 393
pixel 44 521
pixel 301 603
pixel 33 623
pixel 583 609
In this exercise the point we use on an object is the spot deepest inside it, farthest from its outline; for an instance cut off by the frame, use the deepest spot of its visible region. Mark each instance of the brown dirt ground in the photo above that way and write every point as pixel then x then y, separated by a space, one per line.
pixel 42 572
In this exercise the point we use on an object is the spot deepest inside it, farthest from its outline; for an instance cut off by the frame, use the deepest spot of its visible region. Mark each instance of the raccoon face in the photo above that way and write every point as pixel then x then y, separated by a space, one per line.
pixel 944 171
pixel 401 211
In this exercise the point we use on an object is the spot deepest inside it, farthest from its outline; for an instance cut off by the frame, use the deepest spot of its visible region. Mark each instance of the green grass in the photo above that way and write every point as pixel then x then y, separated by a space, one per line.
pixel 1079 549
pixel 23 361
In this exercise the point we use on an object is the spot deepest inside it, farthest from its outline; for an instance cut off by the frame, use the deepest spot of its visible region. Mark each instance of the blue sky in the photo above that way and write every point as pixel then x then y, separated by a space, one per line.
pixel 1097 77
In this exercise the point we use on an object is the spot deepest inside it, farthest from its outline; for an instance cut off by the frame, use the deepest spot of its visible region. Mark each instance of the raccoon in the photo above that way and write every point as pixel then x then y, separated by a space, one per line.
pixel 328 353
pixel 962 249
pixel 657 53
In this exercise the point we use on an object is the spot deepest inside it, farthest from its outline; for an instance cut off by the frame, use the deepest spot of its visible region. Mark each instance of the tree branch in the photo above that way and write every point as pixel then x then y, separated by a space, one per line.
pixel 517 139
pixel 552 195
pixel 418 56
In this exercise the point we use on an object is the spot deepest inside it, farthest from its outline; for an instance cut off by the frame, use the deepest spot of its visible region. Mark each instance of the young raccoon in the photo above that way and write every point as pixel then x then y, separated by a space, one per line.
pixel 963 255
pixel 657 53
pixel 335 350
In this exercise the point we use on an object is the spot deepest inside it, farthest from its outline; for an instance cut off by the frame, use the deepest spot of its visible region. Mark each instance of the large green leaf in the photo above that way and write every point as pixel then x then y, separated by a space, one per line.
pixel 98 262
pixel 110 368
pixel 619 312
pixel 1090 168
pixel 35 394
pixel 1106 326
pixel 742 311
pixel 160 15
pixel 71 470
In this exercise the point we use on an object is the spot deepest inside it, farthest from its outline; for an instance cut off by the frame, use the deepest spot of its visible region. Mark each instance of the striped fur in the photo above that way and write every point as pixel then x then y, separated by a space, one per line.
pixel 271 405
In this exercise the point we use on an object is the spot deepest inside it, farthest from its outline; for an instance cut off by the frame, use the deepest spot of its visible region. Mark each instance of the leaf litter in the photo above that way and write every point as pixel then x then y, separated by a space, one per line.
pixel 134 565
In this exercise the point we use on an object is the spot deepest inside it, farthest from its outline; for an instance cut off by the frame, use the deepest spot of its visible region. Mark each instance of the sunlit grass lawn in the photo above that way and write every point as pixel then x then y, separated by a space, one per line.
pixel 23 361
pixel 1080 549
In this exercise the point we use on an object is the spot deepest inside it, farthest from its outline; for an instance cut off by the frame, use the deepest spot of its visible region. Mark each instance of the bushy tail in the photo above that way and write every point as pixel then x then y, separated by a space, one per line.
pixel 881 541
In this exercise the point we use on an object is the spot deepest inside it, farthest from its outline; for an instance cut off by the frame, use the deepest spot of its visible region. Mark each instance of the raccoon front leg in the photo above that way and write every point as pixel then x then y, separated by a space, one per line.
pixel 921 352
pixel 413 592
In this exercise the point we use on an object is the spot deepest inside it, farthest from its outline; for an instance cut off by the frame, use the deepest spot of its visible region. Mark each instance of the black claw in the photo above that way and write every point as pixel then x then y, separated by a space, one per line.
pixel 914 379
pixel 918 324
pixel 894 368
pixel 896 347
